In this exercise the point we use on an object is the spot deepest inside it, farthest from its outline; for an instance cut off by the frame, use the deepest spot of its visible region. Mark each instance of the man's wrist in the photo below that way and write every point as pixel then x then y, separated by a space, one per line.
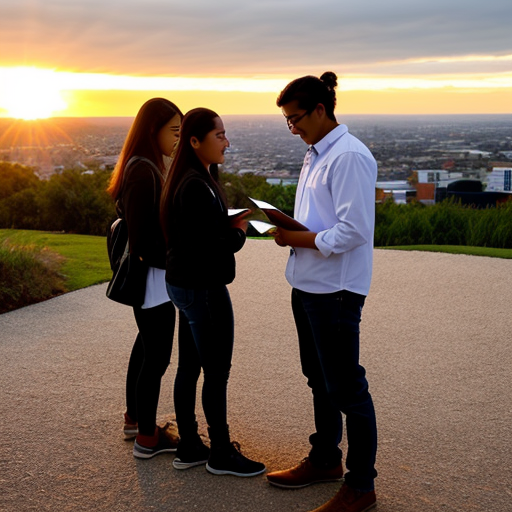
pixel 305 239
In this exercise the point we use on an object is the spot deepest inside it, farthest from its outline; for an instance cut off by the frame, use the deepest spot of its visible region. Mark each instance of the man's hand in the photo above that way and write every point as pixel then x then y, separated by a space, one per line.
pixel 284 237
pixel 278 235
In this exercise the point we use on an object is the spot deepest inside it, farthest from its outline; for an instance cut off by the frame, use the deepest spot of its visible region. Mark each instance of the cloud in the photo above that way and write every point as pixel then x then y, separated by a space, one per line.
pixel 233 38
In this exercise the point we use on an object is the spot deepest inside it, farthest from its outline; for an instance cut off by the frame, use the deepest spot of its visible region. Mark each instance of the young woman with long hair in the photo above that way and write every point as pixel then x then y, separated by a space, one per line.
pixel 201 242
pixel 136 186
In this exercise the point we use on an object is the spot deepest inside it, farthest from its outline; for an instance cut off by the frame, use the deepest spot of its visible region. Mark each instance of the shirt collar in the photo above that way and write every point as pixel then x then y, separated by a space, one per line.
pixel 330 138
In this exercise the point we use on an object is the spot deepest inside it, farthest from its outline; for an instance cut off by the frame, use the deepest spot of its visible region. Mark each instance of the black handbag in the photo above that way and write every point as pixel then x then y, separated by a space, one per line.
pixel 128 283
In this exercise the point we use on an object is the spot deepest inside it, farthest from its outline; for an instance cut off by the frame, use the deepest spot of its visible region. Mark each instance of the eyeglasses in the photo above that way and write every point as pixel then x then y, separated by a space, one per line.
pixel 292 121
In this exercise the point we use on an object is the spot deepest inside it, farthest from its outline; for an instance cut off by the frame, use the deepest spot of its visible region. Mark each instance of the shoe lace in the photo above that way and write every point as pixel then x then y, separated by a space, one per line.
pixel 300 466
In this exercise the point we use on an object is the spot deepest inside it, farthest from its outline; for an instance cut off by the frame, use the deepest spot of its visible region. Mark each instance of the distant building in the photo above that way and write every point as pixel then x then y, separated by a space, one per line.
pixel 468 154
pixel 434 185
pixel 282 181
pixel 500 180
pixel 401 191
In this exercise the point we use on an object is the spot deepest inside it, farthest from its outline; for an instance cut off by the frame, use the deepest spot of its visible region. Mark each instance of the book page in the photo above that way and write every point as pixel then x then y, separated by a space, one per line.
pixel 262 227
pixel 279 218
pixel 234 212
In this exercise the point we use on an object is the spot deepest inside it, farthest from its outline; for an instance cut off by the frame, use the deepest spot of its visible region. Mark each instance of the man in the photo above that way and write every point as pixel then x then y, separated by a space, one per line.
pixel 330 269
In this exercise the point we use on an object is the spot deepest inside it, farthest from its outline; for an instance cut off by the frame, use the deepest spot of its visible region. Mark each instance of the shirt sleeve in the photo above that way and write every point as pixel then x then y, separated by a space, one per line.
pixel 353 177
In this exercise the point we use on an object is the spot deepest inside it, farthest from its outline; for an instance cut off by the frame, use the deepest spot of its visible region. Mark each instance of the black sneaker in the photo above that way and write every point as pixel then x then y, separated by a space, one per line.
pixel 164 445
pixel 231 462
pixel 192 454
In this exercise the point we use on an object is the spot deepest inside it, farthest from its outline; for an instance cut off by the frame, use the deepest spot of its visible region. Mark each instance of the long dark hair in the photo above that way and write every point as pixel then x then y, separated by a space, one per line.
pixel 142 139
pixel 196 123
pixel 309 91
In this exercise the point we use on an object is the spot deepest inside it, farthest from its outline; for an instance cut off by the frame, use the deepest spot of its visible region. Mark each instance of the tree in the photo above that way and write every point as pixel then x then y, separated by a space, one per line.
pixel 14 178
pixel 76 202
pixel 19 196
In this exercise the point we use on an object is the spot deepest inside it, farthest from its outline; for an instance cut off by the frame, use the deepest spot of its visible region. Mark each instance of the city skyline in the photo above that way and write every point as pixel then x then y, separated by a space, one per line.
pixel 91 58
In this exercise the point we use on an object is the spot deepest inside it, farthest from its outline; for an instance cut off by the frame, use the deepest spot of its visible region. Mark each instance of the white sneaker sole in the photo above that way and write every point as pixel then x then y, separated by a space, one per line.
pixel 214 471
pixel 140 453
pixel 179 464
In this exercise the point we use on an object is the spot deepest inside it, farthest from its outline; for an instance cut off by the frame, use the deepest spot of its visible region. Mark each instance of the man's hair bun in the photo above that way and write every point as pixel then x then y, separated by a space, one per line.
pixel 330 80
pixel 309 91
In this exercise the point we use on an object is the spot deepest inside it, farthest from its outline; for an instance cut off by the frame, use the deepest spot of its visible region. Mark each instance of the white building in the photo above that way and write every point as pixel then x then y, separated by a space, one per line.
pixel 442 178
pixel 500 180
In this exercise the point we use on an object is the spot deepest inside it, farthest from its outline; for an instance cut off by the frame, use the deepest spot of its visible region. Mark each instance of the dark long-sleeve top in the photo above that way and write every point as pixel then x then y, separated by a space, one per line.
pixel 140 200
pixel 201 244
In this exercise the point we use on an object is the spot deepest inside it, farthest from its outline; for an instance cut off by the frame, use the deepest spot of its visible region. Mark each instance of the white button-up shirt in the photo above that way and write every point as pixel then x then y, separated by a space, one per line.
pixel 336 199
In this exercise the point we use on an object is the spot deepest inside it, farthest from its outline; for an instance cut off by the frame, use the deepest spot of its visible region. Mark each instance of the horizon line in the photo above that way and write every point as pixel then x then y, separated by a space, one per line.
pixel 457 114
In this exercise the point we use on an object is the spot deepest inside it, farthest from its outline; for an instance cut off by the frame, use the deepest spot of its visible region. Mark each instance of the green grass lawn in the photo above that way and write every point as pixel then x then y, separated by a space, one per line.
pixel 85 257
pixel 457 249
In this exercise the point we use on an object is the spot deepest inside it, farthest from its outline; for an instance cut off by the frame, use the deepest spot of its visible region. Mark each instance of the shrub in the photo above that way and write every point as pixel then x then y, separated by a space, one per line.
pixel 446 223
pixel 28 275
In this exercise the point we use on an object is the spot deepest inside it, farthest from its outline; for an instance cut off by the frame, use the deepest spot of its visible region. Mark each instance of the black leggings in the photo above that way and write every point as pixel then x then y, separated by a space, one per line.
pixel 149 360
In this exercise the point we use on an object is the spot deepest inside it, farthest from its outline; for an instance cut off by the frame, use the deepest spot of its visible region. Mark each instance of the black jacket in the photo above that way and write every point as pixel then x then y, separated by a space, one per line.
pixel 140 202
pixel 201 244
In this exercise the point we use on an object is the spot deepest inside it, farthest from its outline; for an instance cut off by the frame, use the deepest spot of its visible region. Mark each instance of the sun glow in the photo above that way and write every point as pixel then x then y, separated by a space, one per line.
pixel 35 93
pixel 30 93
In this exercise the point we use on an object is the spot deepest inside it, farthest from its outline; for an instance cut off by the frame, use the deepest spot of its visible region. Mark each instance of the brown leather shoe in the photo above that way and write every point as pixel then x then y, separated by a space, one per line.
pixel 303 475
pixel 349 500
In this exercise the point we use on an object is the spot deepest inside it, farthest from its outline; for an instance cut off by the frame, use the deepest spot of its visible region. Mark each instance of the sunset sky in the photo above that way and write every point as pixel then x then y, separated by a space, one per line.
pixel 106 57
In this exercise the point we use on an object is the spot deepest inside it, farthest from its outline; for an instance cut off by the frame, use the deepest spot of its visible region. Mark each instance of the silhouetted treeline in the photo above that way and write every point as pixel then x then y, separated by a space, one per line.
pixel 75 201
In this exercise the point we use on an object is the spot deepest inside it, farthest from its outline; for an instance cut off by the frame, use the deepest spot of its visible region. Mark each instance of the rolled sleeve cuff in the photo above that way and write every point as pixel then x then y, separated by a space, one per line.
pixel 325 248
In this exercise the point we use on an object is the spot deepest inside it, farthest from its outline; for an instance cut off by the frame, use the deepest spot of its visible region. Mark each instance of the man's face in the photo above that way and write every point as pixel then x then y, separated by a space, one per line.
pixel 307 125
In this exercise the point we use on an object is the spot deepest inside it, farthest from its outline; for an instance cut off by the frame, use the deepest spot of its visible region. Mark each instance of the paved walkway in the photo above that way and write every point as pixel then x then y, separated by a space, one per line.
pixel 436 342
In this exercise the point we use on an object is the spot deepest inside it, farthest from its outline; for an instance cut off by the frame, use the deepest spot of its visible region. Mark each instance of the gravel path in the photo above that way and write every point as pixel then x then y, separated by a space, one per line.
pixel 436 343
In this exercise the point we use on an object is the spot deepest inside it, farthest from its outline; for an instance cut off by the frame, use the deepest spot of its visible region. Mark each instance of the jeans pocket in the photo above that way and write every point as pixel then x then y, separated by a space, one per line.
pixel 181 297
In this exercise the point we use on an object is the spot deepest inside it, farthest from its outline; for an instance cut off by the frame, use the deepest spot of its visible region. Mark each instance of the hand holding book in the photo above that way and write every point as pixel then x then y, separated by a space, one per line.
pixel 278 218
pixel 237 218
pixel 284 229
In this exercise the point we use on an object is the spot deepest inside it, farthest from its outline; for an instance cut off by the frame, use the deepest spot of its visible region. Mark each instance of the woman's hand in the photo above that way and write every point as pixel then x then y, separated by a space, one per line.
pixel 239 221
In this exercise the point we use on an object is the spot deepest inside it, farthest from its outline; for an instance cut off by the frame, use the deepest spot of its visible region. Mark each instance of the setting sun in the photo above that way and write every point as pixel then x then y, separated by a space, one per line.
pixel 30 93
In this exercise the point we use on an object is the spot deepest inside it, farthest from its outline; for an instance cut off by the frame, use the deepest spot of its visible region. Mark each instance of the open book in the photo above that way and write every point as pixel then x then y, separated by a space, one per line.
pixel 235 212
pixel 278 218
pixel 263 228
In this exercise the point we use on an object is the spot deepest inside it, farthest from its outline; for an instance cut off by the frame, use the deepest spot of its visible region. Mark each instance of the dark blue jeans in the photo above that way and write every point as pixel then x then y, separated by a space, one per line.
pixel 328 332
pixel 210 316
